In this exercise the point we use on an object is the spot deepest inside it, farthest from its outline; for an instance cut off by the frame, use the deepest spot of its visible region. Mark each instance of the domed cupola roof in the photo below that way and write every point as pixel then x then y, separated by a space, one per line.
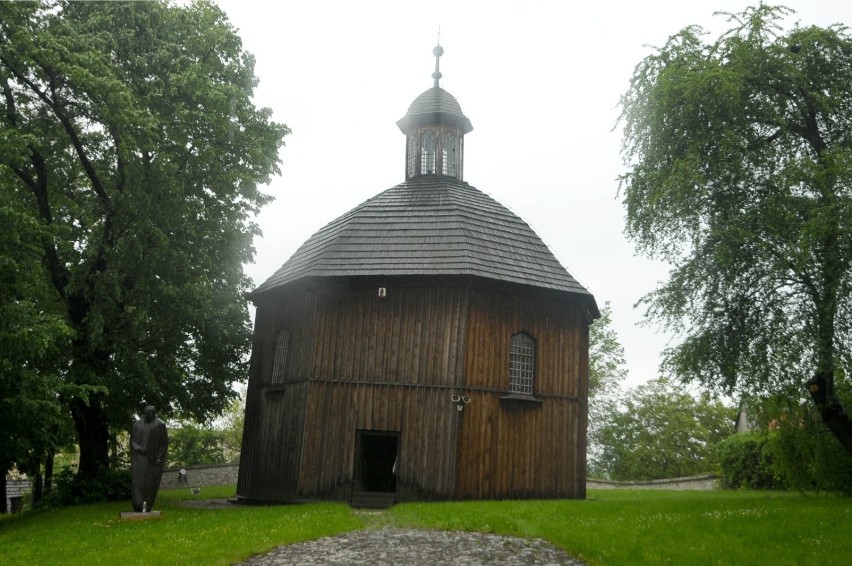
pixel 435 106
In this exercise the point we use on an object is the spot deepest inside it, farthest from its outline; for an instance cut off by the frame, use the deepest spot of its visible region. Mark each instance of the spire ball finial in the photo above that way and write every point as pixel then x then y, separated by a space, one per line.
pixel 437 52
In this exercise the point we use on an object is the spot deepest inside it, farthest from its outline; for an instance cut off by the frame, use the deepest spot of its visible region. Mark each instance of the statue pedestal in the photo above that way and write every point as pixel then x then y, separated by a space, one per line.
pixel 136 516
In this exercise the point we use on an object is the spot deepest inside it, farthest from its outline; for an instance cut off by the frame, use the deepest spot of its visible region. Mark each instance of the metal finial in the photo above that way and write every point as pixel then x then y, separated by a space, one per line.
pixel 437 52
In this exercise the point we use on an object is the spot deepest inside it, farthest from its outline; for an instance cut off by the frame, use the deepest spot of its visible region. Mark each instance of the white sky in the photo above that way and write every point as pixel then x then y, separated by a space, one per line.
pixel 539 80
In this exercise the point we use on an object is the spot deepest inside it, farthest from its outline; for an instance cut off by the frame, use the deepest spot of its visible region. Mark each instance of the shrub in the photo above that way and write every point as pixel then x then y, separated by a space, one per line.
pixel 807 457
pixel 746 462
pixel 193 445
pixel 107 485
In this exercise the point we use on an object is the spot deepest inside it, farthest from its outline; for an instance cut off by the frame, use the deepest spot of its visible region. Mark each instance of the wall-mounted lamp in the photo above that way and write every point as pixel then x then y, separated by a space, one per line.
pixel 460 401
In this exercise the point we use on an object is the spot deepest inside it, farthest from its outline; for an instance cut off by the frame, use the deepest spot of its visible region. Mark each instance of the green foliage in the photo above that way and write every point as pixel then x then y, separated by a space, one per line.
pixel 107 485
pixel 746 462
pixel 131 153
pixel 193 445
pixel 806 456
pixel 232 427
pixel 659 430
pixel 792 449
pixel 607 367
pixel 739 155
pixel 607 371
pixel 32 337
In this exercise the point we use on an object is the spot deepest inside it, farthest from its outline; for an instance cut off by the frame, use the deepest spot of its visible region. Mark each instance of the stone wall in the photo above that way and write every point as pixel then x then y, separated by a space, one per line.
pixel 702 482
pixel 226 474
pixel 200 476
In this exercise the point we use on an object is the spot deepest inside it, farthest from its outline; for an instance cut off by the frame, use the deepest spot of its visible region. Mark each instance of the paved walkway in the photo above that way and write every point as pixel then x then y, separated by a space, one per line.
pixel 410 547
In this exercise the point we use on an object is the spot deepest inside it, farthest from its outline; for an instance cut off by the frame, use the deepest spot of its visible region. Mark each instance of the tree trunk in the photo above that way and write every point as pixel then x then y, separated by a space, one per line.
pixel 38 484
pixel 3 488
pixel 92 434
pixel 48 472
pixel 834 415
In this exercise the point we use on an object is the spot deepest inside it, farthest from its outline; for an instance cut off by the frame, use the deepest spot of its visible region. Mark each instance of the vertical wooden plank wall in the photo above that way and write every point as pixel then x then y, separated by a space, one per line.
pixel 512 448
pixel 275 414
pixel 386 364
pixel 357 361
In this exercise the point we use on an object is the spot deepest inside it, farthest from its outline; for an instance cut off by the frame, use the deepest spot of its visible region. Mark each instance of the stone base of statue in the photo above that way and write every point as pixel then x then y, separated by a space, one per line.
pixel 138 516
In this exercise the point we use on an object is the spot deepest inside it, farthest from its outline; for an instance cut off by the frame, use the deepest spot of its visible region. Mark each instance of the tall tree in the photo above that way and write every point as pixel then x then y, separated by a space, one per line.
pixel 129 134
pixel 31 339
pixel 659 430
pixel 607 367
pixel 607 371
pixel 739 155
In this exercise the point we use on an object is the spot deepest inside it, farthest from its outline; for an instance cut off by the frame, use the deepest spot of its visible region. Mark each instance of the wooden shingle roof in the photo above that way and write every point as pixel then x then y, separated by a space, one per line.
pixel 435 106
pixel 430 225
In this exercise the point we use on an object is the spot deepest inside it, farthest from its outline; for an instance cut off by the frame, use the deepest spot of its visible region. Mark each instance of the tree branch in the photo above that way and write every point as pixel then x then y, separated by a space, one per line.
pixel 38 186
pixel 70 130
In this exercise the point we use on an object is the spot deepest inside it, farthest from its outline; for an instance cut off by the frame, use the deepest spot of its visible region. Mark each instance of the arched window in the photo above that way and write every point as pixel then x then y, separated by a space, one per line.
pixel 449 154
pixel 521 364
pixel 279 362
pixel 427 153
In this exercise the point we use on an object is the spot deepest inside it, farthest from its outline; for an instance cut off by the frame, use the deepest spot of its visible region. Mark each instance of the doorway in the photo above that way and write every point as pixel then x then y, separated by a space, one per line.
pixel 376 461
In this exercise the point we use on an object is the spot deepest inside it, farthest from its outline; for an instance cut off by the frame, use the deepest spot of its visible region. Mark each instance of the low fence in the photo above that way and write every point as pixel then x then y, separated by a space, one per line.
pixel 704 482
pixel 200 476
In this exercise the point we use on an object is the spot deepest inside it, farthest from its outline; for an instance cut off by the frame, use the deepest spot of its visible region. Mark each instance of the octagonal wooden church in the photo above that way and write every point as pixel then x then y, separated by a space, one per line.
pixel 425 345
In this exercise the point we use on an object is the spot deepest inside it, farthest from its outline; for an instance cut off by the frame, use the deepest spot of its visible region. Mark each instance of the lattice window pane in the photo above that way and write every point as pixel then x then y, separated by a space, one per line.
pixel 279 362
pixel 521 364
pixel 449 155
pixel 427 153
pixel 412 155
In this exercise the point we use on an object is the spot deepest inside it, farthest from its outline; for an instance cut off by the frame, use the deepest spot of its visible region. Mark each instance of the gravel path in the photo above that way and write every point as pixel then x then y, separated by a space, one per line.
pixel 403 547
pixel 390 546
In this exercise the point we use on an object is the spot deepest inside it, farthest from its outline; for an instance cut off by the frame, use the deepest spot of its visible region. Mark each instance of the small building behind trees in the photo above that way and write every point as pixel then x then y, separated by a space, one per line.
pixel 425 345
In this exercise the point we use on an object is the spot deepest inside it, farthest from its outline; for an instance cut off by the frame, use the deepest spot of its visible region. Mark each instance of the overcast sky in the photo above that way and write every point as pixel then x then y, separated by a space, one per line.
pixel 540 81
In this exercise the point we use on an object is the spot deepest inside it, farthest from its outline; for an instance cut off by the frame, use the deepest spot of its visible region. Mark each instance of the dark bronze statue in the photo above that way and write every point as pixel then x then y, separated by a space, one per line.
pixel 148 444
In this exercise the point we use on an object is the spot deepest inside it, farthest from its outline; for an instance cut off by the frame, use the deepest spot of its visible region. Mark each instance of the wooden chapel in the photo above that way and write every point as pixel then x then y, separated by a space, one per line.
pixel 426 345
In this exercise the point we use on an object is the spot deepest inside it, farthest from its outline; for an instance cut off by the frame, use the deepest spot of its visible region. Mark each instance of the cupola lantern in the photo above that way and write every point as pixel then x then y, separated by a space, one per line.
pixel 434 127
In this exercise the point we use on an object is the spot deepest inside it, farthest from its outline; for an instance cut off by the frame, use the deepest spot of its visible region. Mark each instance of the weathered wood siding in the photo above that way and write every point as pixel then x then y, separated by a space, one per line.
pixel 424 416
pixel 360 362
pixel 386 364
pixel 520 448
pixel 414 336
pixel 275 413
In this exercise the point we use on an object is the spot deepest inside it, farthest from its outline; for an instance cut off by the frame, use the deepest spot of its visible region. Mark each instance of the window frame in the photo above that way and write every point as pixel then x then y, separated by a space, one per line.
pixel 523 350
pixel 280 357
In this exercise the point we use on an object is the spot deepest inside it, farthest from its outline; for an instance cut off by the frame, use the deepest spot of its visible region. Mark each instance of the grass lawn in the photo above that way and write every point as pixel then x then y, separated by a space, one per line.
pixel 610 527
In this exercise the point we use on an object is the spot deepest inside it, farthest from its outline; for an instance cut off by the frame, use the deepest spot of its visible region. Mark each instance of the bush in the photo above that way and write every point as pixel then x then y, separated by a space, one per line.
pixel 746 462
pixel 807 457
pixel 107 485
pixel 193 445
